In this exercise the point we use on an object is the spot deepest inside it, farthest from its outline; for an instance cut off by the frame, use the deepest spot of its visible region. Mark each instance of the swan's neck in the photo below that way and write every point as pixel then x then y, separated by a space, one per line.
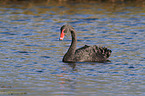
pixel 73 45
pixel 71 51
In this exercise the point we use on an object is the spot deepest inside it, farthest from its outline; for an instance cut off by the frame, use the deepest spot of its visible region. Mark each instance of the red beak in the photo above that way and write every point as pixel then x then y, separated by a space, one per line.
pixel 62 35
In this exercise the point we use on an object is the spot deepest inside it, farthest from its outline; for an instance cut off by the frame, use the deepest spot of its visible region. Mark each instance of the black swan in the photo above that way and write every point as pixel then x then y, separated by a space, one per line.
pixel 84 54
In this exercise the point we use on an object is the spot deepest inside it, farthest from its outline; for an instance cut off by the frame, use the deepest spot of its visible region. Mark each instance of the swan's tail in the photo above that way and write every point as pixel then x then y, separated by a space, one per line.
pixel 104 51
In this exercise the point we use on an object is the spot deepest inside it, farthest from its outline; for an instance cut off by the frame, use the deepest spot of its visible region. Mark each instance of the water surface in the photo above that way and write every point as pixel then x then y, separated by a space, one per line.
pixel 31 53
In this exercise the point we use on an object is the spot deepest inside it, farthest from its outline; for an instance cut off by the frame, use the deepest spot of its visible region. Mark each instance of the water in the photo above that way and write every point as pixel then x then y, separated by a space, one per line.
pixel 31 53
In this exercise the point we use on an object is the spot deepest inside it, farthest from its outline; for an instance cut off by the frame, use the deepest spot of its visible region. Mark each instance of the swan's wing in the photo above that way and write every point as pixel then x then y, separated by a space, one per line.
pixel 82 48
pixel 84 53
pixel 92 53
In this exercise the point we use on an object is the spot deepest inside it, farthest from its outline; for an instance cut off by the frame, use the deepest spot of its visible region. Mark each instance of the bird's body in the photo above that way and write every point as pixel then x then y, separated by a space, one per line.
pixel 89 54
pixel 84 54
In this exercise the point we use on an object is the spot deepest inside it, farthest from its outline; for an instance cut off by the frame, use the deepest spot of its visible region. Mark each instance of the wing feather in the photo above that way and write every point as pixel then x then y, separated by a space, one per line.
pixel 92 53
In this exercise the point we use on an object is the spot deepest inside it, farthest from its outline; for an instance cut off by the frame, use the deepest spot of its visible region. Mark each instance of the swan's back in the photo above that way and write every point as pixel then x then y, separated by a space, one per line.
pixel 92 53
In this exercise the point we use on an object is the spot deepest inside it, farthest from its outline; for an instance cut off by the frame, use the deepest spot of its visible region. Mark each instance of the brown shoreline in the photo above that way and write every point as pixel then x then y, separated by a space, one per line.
pixel 137 3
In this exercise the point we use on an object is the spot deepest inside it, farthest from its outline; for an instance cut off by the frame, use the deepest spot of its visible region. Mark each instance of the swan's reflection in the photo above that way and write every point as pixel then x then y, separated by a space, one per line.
pixel 72 65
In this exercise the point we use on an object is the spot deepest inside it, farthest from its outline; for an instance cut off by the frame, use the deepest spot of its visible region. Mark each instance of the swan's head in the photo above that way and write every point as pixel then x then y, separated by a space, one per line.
pixel 65 29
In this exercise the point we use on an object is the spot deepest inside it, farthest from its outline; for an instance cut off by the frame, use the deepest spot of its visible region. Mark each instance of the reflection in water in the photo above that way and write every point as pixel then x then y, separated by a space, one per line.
pixel 66 80
pixel 31 53
pixel 72 65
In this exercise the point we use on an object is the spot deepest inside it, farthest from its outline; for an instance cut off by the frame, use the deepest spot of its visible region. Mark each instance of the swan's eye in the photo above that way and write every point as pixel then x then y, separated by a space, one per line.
pixel 64 30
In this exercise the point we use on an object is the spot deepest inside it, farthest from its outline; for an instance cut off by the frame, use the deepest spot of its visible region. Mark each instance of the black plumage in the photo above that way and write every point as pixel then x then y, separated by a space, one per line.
pixel 85 53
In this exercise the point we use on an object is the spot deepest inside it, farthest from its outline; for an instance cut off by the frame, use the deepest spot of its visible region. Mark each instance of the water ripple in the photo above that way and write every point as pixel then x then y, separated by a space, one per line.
pixel 31 54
